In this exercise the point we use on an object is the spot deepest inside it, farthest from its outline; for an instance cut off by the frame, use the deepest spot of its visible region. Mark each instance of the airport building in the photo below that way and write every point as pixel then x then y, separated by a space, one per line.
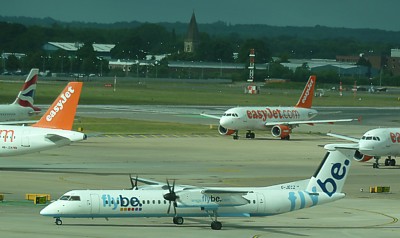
pixel 102 50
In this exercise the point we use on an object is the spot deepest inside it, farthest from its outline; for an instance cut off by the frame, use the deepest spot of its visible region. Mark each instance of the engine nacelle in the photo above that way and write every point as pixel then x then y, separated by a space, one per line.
pixel 361 157
pixel 281 130
pixel 223 131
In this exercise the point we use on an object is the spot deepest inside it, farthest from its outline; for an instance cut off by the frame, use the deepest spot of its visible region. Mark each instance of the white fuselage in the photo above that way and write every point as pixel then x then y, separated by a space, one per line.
pixel 381 142
pixel 193 203
pixel 16 140
pixel 15 112
pixel 255 118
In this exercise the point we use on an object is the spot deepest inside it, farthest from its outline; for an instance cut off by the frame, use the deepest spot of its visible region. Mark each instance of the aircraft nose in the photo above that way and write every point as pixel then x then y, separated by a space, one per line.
pixel 225 122
pixel 49 210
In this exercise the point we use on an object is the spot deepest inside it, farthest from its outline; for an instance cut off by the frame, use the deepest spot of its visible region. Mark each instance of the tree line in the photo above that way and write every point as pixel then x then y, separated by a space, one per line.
pixel 134 42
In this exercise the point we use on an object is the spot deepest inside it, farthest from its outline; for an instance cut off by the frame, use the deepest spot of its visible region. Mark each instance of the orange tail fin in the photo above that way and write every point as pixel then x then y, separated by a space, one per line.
pixel 305 100
pixel 61 113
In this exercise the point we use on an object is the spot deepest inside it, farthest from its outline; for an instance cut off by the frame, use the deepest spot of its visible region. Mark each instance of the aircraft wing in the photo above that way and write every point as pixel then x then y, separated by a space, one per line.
pixel 149 181
pixel 311 122
pixel 212 198
pixel 344 146
pixel 210 116
pixel 344 137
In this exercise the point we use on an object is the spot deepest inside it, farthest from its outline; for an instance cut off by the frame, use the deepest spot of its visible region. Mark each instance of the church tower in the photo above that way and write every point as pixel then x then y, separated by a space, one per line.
pixel 192 38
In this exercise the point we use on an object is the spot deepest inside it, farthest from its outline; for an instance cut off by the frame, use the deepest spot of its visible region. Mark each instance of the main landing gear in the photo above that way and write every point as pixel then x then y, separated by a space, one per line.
pixel 215 224
pixel 58 221
pixel 250 135
pixel 178 220
pixel 388 162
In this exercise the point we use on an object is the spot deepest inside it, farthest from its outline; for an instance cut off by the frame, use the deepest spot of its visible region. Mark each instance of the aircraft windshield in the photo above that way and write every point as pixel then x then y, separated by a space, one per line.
pixel 230 115
pixel 70 198
pixel 375 138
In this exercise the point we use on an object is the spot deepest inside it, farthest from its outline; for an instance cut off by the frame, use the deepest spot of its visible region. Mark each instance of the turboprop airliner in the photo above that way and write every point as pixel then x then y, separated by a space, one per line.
pixel 156 199
pixel 22 108
pixel 52 130
pixel 375 143
pixel 281 120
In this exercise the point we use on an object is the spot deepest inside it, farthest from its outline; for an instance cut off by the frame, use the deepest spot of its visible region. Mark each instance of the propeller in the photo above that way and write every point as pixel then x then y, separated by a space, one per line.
pixel 133 185
pixel 171 196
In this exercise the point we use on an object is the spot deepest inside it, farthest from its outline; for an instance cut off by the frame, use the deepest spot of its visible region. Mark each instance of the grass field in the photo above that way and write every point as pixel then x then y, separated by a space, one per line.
pixel 147 92
pixel 150 92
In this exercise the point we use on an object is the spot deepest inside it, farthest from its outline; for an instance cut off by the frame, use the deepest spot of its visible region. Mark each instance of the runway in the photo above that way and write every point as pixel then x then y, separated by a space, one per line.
pixel 105 162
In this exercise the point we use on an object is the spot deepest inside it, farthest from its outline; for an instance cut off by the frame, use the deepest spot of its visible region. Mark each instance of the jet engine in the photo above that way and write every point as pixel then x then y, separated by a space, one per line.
pixel 361 157
pixel 282 131
pixel 223 131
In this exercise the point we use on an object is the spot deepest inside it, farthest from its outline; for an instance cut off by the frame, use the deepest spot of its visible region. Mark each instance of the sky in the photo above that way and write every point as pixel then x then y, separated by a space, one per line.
pixel 374 14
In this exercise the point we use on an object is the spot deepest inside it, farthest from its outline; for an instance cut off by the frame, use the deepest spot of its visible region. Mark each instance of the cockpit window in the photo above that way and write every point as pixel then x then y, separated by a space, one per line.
pixel 75 198
pixel 65 197
pixel 369 138
pixel 363 138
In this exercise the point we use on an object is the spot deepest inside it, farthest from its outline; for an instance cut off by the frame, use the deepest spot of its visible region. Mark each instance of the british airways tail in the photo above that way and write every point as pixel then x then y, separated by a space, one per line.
pixel 331 175
pixel 25 97
pixel 61 113
pixel 305 100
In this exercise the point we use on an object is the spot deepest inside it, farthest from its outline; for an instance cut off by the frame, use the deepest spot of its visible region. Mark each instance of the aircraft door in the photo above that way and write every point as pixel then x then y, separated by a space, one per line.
pixel 260 202
pixel 95 203
pixel 25 139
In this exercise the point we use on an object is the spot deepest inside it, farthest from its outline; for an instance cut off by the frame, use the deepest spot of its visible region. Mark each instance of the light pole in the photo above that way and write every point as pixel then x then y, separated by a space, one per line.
pixel 137 66
pixel 220 68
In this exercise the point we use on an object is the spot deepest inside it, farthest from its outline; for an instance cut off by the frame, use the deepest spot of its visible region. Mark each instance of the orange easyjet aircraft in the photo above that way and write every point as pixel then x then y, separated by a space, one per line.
pixel 52 130
pixel 281 120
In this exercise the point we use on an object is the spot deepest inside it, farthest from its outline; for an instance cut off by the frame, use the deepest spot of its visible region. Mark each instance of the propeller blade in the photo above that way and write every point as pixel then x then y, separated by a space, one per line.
pixel 130 178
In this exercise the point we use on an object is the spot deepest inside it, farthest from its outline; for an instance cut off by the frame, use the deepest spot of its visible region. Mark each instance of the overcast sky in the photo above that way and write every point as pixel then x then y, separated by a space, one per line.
pixel 376 14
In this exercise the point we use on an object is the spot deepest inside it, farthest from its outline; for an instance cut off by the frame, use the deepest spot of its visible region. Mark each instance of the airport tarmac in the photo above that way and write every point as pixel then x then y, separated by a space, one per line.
pixel 105 162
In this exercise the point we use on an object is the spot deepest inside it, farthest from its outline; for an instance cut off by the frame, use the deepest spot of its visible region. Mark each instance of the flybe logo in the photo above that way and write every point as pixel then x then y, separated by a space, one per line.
pixel 338 172
pixel 60 104
pixel 307 92
pixel 122 202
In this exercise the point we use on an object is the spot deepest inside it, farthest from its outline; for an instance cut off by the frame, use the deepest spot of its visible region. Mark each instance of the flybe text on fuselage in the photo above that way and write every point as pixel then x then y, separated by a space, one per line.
pixel 122 201
pixel 270 113
pixel 60 104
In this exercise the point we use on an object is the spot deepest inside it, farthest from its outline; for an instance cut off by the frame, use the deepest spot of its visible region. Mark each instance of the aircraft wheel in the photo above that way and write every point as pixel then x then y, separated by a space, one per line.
pixel 58 222
pixel 387 162
pixel 178 220
pixel 392 162
pixel 252 135
pixel 235 137
pixel 375 165
pixel 216 225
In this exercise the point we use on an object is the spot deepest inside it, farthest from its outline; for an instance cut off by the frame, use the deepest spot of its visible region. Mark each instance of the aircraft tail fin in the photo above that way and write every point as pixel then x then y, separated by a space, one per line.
pixel 25 97
pixel 61 113
pixel 305 100
pixel 331 175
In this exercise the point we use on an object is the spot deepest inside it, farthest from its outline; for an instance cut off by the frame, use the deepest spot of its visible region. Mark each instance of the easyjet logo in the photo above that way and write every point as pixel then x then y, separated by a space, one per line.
pixel 269 114
pixel 307 92
pixel 7 135
pixel 395 137
pixel 60 104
